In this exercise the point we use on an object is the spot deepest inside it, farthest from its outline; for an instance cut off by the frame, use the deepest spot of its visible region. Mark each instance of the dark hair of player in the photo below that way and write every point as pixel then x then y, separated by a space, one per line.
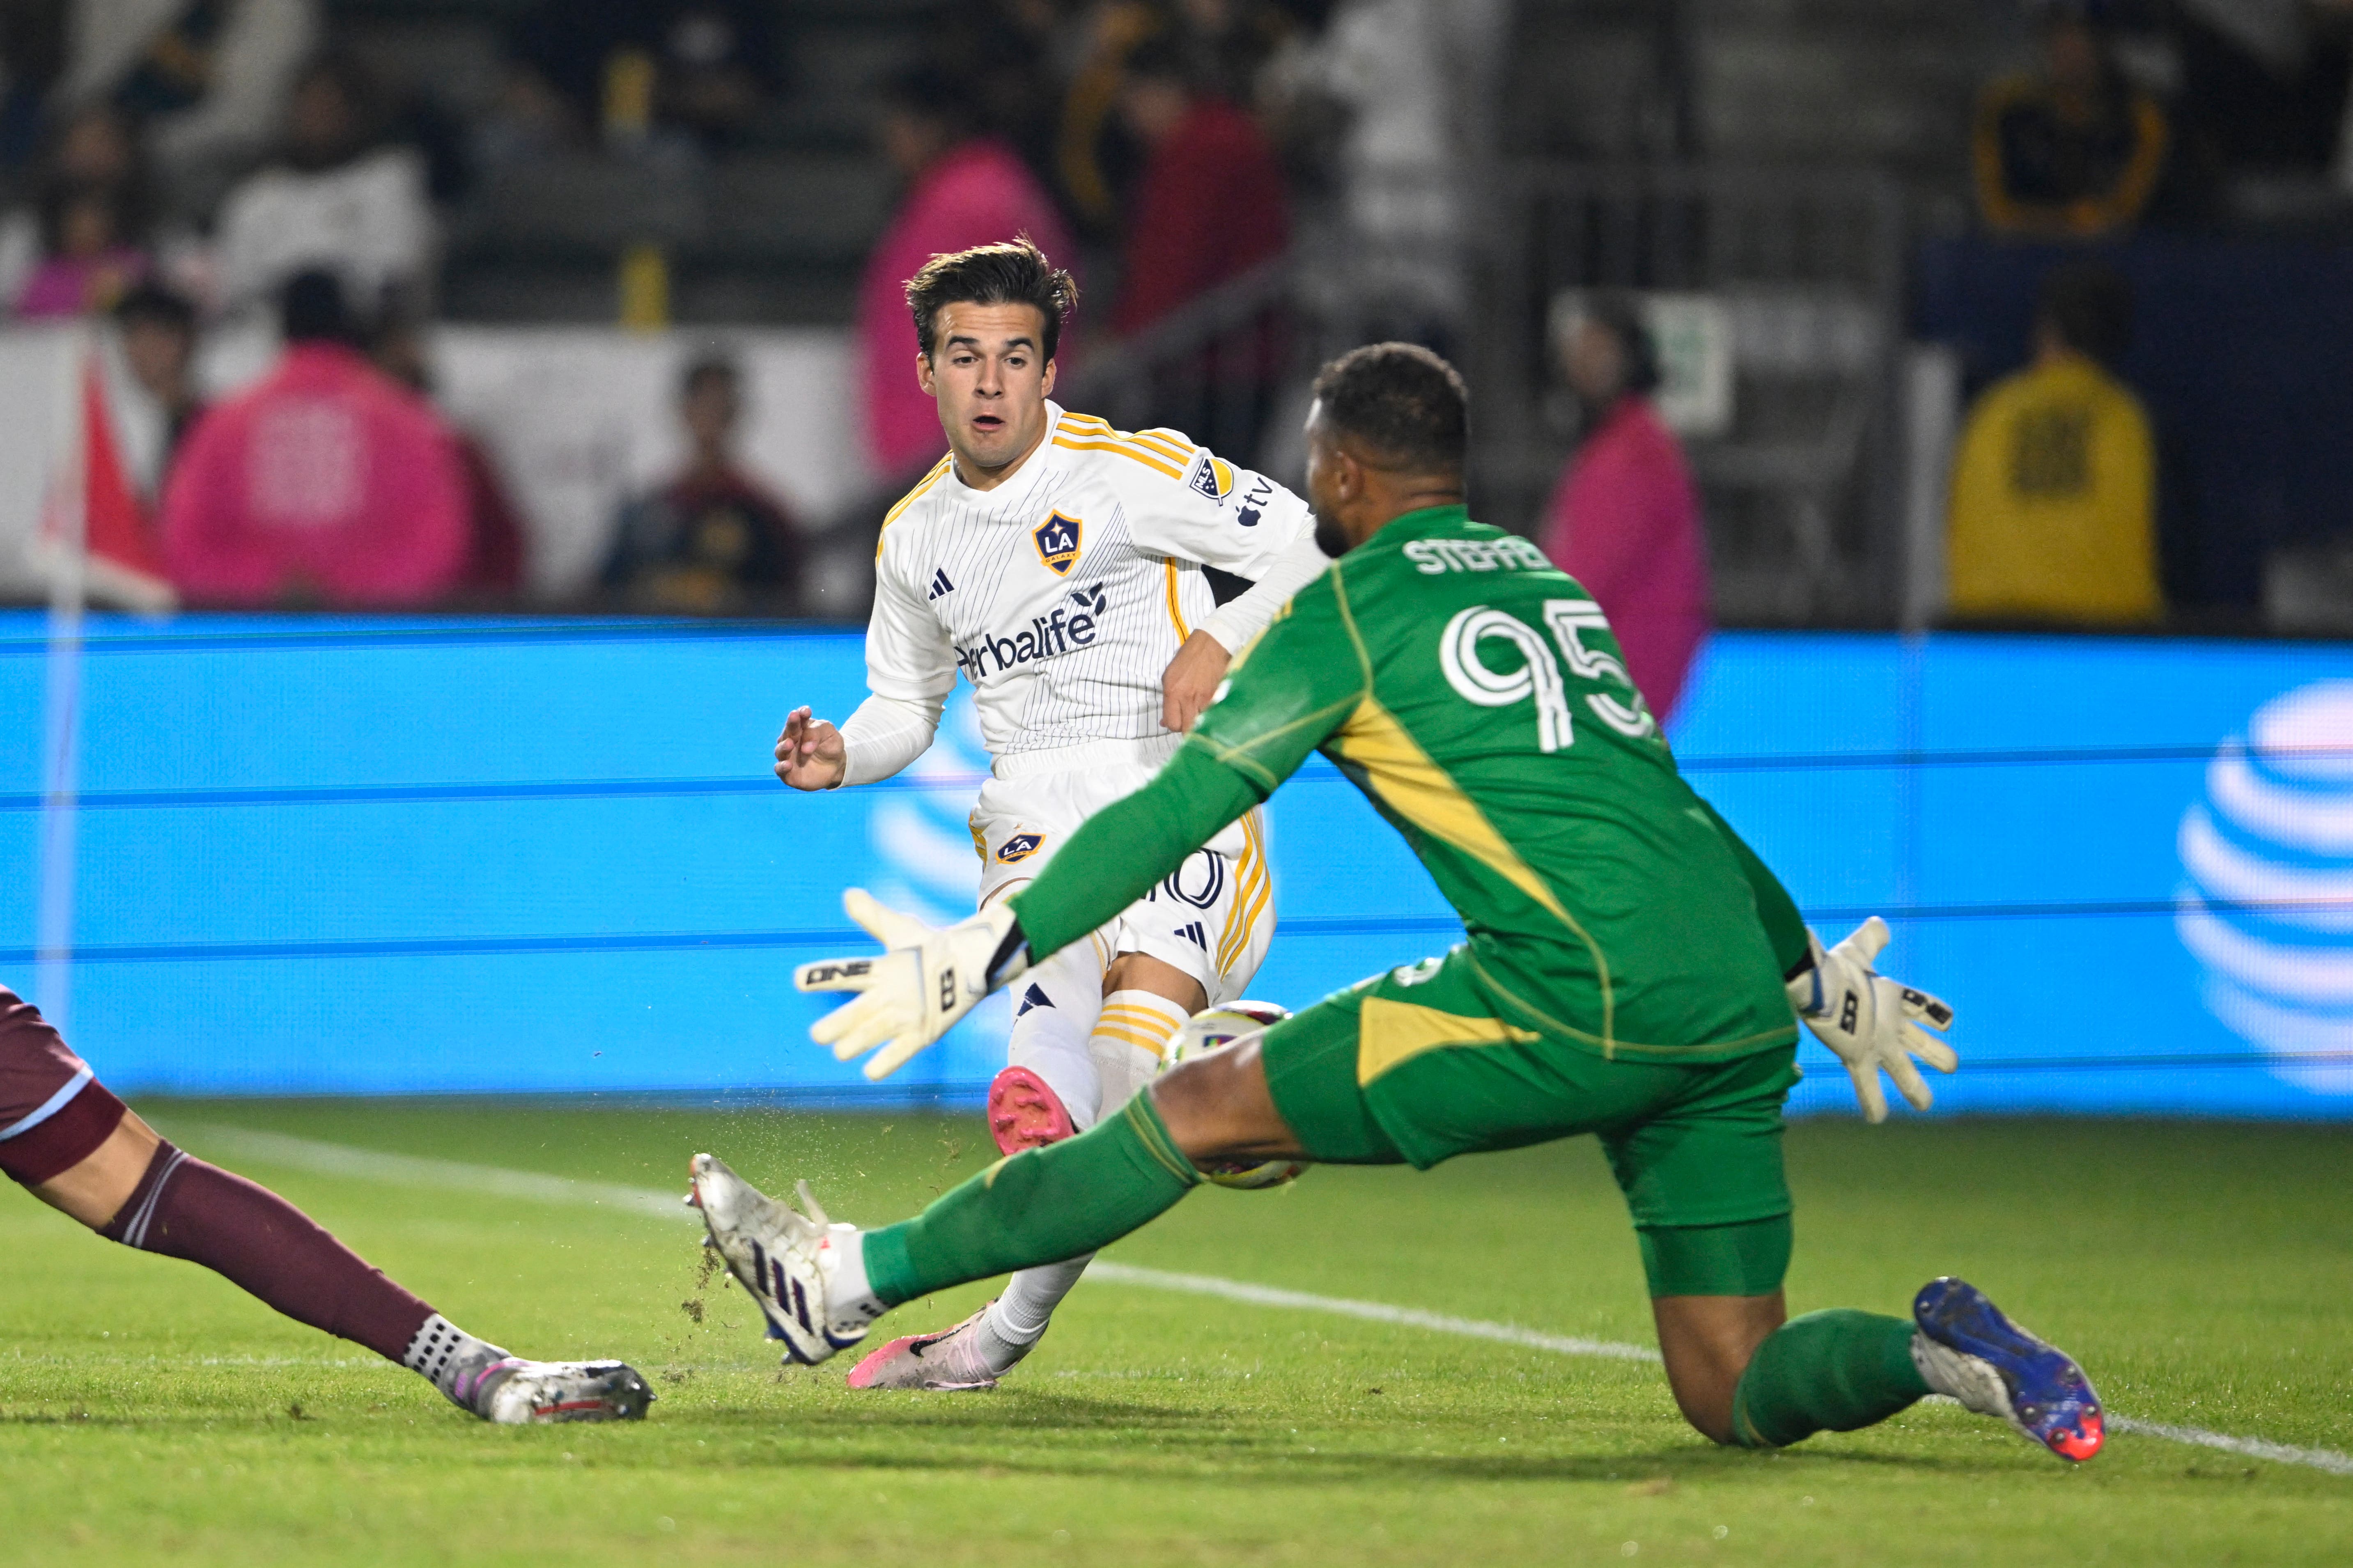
pixel 1013 273
pixel 1401 401
pixel 2089 306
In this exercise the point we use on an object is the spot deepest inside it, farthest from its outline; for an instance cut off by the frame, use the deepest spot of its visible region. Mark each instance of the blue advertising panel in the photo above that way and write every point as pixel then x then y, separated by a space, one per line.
pixel 424 856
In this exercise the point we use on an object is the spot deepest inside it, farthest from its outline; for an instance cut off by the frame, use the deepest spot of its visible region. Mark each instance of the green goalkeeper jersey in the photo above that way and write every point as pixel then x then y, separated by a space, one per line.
pixel 1474 693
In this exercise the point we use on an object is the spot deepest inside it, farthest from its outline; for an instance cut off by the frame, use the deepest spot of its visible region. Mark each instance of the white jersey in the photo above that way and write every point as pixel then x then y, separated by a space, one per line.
pixel 1062 594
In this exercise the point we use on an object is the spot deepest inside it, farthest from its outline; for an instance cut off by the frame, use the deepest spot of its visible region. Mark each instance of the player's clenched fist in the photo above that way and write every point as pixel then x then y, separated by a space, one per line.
pixel 809 754
pixel 1191 683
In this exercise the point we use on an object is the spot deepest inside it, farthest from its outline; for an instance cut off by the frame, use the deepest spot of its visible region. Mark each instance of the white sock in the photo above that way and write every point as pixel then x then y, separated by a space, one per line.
pixel 1131 1037
pixel 1054 1006
pixel 850 1300
pixel 1130 1041
pixel 452 1360
pixel 1017 1319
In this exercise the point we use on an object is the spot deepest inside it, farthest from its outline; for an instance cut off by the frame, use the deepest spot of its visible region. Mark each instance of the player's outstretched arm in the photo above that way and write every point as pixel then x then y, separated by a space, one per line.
pixel 809 752
pixel 1190 682
pixel 929 977
pixel 884 736
pixel 1871 1022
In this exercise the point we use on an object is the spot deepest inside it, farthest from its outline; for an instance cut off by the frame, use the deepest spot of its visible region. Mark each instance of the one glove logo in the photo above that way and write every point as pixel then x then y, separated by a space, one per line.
pixel 2266 906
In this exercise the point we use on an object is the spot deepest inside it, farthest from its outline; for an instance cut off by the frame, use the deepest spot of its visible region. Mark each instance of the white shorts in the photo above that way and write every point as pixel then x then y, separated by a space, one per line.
pixel 1212 920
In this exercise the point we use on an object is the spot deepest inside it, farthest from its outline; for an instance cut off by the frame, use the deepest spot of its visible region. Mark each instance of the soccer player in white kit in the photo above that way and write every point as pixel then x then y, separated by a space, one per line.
pixel 1057 564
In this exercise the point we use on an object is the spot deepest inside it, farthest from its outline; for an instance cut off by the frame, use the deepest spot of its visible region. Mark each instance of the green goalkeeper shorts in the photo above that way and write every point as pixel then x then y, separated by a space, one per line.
pixel 1414 1067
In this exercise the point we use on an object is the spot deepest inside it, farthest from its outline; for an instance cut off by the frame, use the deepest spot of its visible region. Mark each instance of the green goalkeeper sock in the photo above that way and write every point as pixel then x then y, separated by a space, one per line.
pixel 1038 1207
pixel 1831 1372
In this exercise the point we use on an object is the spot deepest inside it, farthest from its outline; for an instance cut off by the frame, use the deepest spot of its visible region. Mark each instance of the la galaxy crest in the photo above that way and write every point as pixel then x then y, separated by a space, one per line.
pixel 1020 847
pixel 1057 542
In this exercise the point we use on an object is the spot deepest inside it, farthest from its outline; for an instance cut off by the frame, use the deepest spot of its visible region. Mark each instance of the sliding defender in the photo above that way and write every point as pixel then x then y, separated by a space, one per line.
pixel 1056 564
pixel 1631 970
pixel 81 1150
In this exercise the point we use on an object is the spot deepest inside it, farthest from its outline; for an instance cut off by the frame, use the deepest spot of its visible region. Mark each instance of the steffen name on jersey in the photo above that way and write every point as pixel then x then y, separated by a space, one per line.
pixel 1509 553
pixel 1070 627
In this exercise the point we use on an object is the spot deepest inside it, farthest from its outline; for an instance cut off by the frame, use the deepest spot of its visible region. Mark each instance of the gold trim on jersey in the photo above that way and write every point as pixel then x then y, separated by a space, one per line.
pixel 1154 448
pixel 1390 1034
pixel 1145 1028
pixel 923 488
pixel 1253 893
pixel 1134 453
pixel 1409 784
pixel 1176 611
pixel 1162 442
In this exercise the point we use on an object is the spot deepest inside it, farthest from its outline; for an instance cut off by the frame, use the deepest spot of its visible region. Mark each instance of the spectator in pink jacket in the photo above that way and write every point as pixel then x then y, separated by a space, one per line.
pixel 1624 521
pixel 327 484
pixel 964 189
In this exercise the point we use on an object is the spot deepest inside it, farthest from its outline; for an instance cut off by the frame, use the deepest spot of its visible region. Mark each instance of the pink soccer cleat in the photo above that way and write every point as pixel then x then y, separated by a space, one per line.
pixel 947 1361
pixel 1023 1113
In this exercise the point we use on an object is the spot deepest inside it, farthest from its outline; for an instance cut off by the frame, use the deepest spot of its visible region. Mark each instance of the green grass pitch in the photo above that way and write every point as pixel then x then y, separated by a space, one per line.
pixel 150 1413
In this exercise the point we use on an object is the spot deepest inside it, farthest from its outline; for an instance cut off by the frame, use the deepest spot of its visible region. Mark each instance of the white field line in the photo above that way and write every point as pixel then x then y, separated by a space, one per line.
pixel 2328 1459
pixel 406 1170
pixel 1112 1273
pixel 410 1171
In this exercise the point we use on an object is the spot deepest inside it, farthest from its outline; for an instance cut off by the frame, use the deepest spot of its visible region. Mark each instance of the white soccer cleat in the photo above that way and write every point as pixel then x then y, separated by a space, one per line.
pixel 519 1393
pixel 784 1258
pixel 951 1360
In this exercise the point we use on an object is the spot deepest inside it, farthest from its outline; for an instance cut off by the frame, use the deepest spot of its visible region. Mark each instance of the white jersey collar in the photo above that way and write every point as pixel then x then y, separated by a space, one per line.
pixel 1036 456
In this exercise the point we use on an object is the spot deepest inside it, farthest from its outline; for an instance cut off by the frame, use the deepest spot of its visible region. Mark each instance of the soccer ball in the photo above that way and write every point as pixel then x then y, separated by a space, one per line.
pixel 1214 1030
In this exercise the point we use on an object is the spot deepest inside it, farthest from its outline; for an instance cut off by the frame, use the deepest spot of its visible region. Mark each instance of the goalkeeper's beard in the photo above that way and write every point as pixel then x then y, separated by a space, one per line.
pixel 1330 538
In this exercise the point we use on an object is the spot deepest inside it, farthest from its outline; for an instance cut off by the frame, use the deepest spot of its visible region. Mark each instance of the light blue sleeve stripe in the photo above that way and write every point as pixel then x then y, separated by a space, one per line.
pixel 57 1102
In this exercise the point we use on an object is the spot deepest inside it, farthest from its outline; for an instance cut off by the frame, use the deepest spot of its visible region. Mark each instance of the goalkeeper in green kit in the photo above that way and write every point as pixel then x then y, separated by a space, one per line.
pixel 1631 970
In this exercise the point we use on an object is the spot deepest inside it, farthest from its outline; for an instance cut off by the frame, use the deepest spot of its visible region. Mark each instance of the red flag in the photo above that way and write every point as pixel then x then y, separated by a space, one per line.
pixel 122 562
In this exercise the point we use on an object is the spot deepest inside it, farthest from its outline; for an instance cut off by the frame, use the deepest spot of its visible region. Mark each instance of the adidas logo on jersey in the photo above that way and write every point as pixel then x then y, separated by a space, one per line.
pixel 1195 934
pixel 1071 626
pixel 939 584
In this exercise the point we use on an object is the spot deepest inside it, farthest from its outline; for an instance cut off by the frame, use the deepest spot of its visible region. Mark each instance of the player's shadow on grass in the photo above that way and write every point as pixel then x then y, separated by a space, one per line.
pixel 1042 1433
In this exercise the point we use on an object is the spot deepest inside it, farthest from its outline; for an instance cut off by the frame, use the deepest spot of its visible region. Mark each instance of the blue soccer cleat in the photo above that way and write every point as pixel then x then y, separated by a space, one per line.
pixel 1965 1348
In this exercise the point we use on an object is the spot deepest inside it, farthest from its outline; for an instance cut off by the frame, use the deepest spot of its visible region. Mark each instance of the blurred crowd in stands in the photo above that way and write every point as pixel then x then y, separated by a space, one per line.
pixel 2165 114
pixel 185 165
pixel 2184 118
pixel 180 167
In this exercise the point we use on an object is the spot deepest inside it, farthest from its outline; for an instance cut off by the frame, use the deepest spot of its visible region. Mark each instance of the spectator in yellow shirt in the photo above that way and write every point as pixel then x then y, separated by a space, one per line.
pixel 2054 490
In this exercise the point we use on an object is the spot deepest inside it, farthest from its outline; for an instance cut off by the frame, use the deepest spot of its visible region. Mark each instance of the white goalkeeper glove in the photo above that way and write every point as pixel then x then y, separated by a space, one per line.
pixel 924 980
pixel 1870 1021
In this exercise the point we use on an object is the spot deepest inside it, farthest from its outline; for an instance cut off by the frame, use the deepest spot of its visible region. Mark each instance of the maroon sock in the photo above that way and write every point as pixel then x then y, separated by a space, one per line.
pixel 257 1240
